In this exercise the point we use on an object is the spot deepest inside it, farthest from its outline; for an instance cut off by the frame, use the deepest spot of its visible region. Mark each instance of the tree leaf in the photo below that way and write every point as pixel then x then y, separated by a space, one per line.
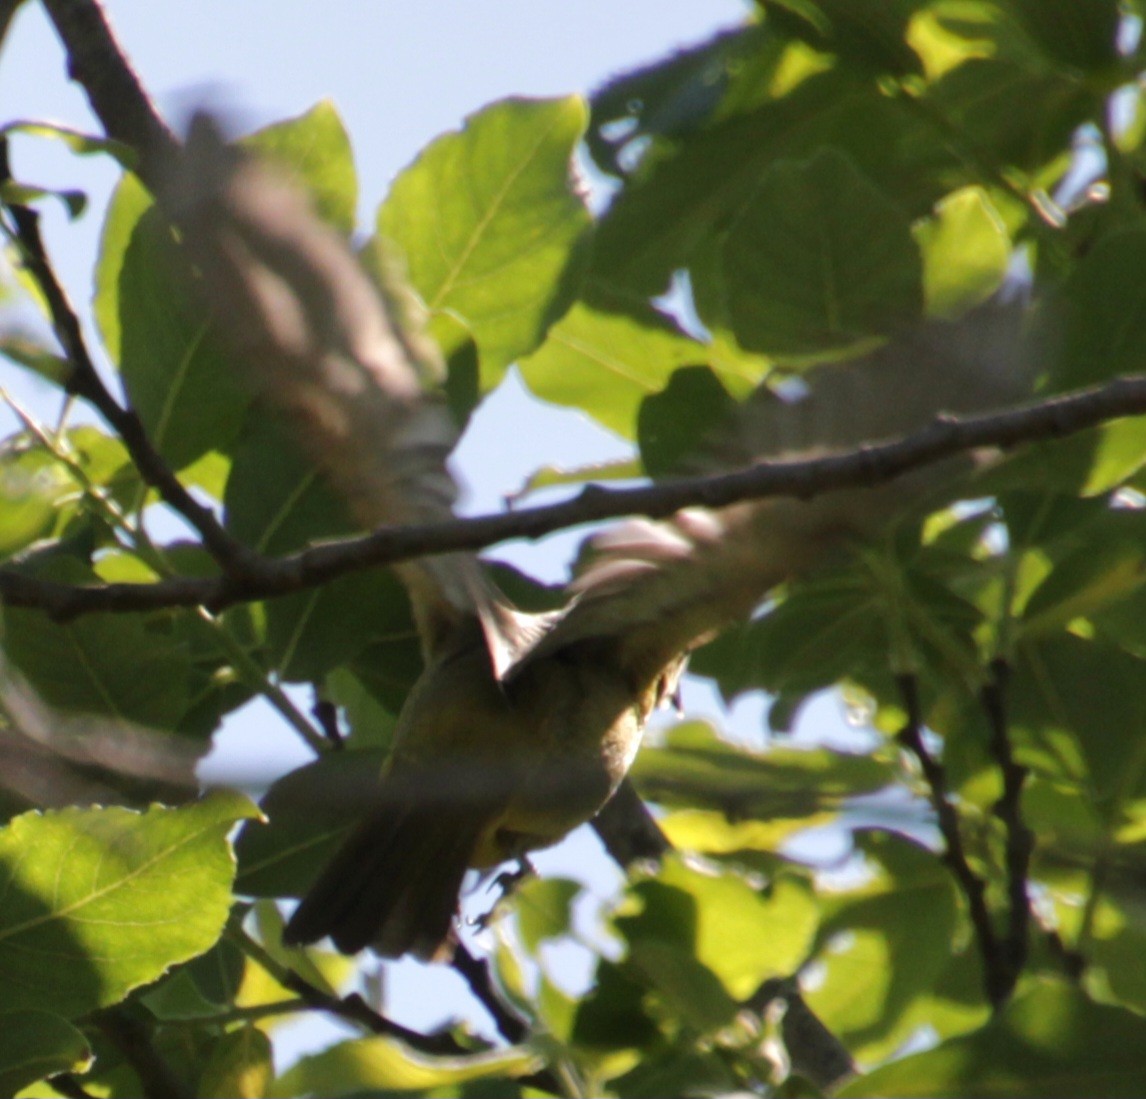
pixel 277 502
pixel 112 898
pixel 239 1066
pixel 721 922
pixel 308 812
pixel 316 148
pixel 1104 308
pixel 35 1044
pixel 544 909
pixel 1050 1041
pixel 965 251
pixel 819 259
pixel 178 377
pixel 489 226
pixel 381 1064
pixel 109 664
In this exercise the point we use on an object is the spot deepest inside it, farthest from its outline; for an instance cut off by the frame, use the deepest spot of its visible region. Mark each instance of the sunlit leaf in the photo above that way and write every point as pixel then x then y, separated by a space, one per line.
pixel 488 224
pixel 112 899
pixel 381 1064
pixel 965 252
pixel 1051 1042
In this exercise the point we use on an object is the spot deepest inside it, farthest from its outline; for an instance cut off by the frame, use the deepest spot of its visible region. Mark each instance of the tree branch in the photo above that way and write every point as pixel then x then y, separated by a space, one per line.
pixel 85 381
pixel 97 62
pixel 1019 840
pixel 133 1039
pixel 954 854
pixel 868 465
pixel 476 975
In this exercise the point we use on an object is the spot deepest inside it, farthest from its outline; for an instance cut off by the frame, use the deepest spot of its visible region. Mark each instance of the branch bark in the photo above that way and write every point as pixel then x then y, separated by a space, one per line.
pixel 262 578
pixel 98 63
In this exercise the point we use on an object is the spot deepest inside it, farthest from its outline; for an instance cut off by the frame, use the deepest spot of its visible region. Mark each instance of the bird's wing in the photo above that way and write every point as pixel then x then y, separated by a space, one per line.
pixel 325 345
pixel 659 588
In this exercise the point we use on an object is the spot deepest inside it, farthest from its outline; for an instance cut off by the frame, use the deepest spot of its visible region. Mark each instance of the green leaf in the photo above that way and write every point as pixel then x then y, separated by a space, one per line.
pixel 1009 114
pixel 695 769
pixel 544 909
pixel 1104 313
pixel 741 935
pixel 33 485
pixel 679 95
pixel 868 33
pixel 679 418
pixel 111 664
pixel 30 353
pixel 239 1067
pixel 1049 1042
pixel 100 901
pixel 885 948
pixel 155 327
pixel 685 198
pixel 35 1044
pixel 965 251
pixel 316 148
pixel 381 1064
pixel 606 363
pixel 276 502
pixel 23 194
pixel 76 140
pixel 820 259
pixel 308 813
pixel 1080 34
pixel 1088 463
pixel 489 226
pixel 1066 697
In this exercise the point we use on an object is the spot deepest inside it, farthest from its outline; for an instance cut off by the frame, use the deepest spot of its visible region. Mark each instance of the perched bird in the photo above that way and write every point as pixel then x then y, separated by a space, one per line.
pixel 523 725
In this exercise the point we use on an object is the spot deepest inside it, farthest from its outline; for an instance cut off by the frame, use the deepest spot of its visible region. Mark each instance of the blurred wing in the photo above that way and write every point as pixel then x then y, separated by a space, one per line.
pixel 323 345
pixel 659 588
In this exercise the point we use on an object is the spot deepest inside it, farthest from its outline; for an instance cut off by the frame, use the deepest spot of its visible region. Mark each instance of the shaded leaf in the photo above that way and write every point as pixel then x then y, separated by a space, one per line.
pixel 109 664
pixel 308 811
pixel 35 1044
pixel 277 502
pixel 819 259
pixel 177 376
pixel 696 769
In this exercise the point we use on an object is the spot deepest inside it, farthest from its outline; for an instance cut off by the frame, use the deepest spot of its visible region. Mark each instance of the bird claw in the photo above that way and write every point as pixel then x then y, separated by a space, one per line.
pixel 507 881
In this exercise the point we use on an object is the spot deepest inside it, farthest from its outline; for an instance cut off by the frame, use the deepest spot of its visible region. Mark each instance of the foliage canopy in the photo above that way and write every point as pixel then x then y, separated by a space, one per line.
pixel 810 182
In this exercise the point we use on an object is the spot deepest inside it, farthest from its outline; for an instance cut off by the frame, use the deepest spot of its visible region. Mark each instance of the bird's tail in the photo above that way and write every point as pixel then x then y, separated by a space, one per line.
pixel 393 885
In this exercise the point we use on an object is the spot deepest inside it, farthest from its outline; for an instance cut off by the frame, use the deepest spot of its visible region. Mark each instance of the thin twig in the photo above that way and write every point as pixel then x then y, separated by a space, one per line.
pixel 1019 842
pixel 66 1084
pixel 476 974
pixel 352 1008
pixel 954 853
pixel 865 466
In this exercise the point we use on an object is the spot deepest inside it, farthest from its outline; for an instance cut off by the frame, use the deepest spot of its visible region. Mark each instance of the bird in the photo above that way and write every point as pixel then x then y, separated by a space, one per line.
pixel 523 725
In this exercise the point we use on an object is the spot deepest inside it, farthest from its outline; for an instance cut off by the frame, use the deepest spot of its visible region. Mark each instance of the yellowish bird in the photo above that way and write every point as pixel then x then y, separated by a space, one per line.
pixel 522 726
